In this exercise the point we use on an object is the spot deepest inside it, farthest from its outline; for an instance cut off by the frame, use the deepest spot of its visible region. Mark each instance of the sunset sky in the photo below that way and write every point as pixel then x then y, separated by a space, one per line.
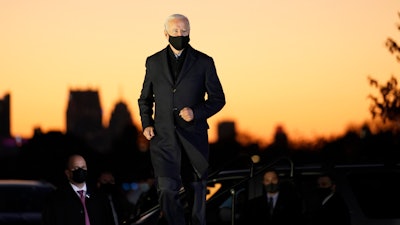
pixel 300 64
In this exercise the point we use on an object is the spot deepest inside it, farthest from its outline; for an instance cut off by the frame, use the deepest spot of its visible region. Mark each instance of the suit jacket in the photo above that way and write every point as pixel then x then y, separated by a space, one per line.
pixel 122 206
pixel 64 207
pixel 287 210
pixel 197 79
pixel 333 212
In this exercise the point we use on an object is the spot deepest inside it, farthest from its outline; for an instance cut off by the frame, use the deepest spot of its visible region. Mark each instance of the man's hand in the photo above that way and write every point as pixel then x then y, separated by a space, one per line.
pixel 148 132
pixel 186 114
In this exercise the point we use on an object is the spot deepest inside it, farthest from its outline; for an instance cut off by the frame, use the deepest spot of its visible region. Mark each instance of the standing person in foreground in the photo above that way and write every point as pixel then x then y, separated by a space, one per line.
pixel 76 203
pixel 177 81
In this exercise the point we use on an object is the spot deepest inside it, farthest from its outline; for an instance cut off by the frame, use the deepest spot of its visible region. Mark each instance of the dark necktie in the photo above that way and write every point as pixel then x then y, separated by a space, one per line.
pixel 83 200
pixel 271 205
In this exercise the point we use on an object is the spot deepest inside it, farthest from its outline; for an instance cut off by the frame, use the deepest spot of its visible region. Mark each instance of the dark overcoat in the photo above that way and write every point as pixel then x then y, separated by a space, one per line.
pixel 64 207
pixel 161 99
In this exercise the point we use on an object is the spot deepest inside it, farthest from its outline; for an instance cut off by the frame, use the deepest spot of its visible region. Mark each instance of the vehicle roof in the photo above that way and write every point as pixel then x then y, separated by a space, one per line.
pixel 24 182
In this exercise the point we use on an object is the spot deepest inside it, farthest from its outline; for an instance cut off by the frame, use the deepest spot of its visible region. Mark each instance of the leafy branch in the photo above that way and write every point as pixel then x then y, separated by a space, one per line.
pixel 387 105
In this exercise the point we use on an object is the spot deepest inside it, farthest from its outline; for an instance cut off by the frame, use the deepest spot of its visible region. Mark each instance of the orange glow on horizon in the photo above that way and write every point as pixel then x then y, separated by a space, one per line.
pixel 303 65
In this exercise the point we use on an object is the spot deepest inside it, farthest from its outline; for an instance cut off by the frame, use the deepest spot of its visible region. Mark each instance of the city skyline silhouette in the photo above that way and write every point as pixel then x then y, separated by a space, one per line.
pixel 303 65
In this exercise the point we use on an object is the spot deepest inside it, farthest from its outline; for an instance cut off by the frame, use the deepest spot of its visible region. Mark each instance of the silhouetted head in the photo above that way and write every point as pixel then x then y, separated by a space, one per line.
pixel 326 184
pixel 76 170
pixel 271 181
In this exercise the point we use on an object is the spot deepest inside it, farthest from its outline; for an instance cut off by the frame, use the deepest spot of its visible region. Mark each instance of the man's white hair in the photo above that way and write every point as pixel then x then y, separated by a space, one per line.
pixel 176 16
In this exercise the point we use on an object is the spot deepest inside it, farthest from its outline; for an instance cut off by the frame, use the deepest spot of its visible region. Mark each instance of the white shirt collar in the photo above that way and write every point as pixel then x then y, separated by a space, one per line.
pixel 274 196
pixel 327 198
pixel 76 189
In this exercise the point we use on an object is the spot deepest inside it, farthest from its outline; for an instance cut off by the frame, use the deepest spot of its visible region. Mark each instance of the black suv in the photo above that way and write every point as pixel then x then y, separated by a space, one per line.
pixel 21 201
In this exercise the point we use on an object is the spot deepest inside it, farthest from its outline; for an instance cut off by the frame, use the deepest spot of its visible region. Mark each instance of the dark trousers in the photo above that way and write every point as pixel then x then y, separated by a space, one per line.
pixel 190 209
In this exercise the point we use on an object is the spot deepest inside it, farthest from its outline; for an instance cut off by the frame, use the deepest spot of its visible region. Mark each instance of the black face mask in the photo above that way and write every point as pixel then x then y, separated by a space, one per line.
pixel 323 192
pixel 271 188
pixel 79 175
pixel 179 42
pixel 107 188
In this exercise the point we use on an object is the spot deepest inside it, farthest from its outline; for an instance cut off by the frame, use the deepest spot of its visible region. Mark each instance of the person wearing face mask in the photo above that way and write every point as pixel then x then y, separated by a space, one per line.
pixel 180 91
pixel 76 202
pixel 121 208
pixel 328 207
pixel 278 205
pixel 148 197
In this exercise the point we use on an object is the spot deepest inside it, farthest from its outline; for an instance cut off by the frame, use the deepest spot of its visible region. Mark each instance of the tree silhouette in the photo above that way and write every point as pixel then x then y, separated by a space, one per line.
pixel 387 105
pixel 391 44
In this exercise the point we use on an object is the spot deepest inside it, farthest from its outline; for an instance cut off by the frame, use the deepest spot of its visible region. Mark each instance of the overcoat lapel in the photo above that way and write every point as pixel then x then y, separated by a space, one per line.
pixel 190 59
pixel 165 67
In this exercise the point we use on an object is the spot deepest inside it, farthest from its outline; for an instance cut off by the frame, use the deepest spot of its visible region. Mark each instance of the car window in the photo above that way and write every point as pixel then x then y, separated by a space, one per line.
pixel 22 198
pixel 377 192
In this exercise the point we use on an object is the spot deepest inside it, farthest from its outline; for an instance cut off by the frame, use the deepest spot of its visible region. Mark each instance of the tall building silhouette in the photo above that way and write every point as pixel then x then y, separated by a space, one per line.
pixel 5 116
pixel 120 119
pixel 224 153
pixel 84 114
pixel 226 131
